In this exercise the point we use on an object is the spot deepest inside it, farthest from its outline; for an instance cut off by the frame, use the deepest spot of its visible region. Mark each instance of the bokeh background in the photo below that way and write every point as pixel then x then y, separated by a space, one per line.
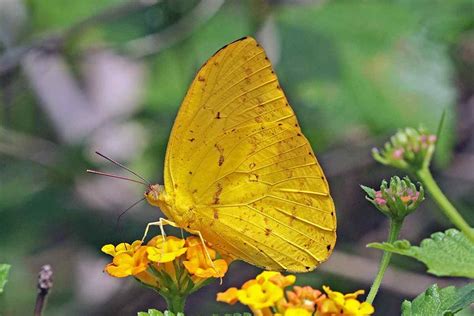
pixel 80 76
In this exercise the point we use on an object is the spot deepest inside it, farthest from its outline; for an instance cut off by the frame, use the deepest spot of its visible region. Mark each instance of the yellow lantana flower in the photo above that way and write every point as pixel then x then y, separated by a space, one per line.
pixel 198 263
pixel 125 264
pixel 123 247
pixel 339 304
pixel 165 250
pixel 258 296
pixel 129 260
pixel 162 265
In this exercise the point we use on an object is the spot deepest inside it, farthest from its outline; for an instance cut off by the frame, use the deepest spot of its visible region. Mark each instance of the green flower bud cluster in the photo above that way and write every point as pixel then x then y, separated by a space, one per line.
pixel 396 199
pixel 409 149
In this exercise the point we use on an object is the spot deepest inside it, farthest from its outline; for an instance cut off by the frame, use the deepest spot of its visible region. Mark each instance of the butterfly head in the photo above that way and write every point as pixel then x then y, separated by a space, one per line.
pixel 155 194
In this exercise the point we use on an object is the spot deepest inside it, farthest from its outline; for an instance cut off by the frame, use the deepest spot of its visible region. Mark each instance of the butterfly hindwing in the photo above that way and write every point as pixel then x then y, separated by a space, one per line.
pixel 237 154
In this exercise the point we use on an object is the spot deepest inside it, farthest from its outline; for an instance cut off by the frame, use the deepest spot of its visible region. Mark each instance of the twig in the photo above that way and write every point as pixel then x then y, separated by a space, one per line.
pixel 12 57
pixel 45 283
pixel 154 43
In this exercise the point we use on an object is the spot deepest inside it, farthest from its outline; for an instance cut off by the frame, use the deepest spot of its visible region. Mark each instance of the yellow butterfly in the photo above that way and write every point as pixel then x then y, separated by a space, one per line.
pixel 239 170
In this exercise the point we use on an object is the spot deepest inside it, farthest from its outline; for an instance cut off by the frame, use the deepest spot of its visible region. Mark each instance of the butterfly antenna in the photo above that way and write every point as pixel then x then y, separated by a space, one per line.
pixel 125 211
pixel 122 166
pixel 116 177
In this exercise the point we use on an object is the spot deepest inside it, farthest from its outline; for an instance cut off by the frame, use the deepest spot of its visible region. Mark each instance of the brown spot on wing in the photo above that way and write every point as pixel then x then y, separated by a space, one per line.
pixel 217 194
pixel 221 154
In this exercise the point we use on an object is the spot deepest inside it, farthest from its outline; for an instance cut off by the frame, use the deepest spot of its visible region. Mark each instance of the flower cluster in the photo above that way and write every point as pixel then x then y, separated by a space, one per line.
pixel 409 149
pixel 170 265
pixel 265 296
pixel 396 199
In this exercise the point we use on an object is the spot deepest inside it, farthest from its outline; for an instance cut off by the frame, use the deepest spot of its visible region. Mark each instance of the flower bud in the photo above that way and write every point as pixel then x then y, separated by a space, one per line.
pixel 409 149
pixel 396 199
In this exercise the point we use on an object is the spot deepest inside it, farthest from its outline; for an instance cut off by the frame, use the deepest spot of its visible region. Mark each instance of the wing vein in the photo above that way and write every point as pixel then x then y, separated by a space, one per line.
pixel 245 158
pixel 240 66
pixel 250 238
pixel 280 222
pixel 289 168
pixel 244 78
pixel 290 242
pixel 304 220
pixel 274 163
pixel 292 178
pixel 297 203
pixel 247 91
pixel 301 191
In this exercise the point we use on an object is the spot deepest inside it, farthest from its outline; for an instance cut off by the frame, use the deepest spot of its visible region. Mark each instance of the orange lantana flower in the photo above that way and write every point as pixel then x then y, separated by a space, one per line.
pixel 129 260
pixel 343 304
pixel 199 265
pixel 302 297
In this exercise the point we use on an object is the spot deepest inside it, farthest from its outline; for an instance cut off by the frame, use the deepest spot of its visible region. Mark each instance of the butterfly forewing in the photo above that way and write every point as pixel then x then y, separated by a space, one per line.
pixel 238 156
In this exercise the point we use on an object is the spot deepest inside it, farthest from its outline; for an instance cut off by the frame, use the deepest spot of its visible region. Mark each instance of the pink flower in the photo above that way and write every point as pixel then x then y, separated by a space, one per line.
pixel 398 153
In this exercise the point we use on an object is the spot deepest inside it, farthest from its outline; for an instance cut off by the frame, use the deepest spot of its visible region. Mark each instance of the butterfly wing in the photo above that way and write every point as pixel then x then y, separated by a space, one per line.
pixel 240 170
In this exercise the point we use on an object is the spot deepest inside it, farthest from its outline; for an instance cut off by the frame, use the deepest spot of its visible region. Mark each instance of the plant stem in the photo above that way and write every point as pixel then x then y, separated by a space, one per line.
pixel 424 175
pixel 45 282
pixel 175 303
pixel 395 226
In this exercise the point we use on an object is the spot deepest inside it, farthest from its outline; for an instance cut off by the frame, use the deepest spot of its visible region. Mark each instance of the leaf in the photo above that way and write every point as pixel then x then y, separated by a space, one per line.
pixel 445 254
pixel 4 269
pixel 444 302
pixel 155 312
pixel 51 14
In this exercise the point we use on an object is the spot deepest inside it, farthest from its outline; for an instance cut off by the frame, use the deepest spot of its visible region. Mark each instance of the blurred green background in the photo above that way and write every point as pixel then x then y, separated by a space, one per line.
pixel 109 75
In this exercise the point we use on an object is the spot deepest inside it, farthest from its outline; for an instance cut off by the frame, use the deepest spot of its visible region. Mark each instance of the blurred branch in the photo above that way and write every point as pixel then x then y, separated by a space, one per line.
pixel 27 147
pixel 155 43
pixel 52 42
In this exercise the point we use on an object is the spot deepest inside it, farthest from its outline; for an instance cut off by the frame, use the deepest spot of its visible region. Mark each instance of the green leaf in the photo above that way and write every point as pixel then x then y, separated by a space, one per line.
pixel 4 269
pixel 445 254
pixel 155 312
pixel 444 302
pixel 52 14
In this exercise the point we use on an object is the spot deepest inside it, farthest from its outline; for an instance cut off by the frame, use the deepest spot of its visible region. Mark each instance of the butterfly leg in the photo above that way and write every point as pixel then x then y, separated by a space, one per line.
pixel 164 221
pixel 203 242
pixel 196 232
pixel 159 223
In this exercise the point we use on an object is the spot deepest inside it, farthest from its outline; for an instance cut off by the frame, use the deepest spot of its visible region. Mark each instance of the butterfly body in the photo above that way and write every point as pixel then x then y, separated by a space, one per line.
pixel 239 170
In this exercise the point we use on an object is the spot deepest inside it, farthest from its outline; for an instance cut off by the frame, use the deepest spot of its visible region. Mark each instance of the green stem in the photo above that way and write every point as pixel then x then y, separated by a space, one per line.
pixel 424 175
pixel 175 303
pixel 395 226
